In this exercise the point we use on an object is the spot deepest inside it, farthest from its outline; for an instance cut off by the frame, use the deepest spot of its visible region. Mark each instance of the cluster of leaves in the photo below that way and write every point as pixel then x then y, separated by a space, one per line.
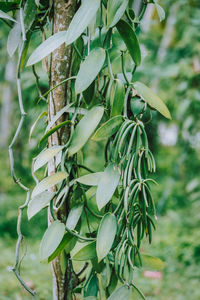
pixel 108 51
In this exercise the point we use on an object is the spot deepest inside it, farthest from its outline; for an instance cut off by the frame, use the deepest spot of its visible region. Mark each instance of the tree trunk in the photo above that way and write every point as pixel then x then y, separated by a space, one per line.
pixel 59 69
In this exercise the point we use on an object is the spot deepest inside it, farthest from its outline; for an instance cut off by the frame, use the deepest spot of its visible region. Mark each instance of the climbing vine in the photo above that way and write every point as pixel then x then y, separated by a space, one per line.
pixel 101 217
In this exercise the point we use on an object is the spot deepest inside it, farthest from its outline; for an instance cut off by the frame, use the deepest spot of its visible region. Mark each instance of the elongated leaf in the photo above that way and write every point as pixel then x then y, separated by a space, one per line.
pixel 89 69
pixel 85 128
pixel 48 182
pixel 51 239
pixel 74 216
pixel 58 115
pixel 121 293
pixel 38 203
pixel 130 39
pixel 90 179
pixel 93 287
pixel 54 129
pixel 45 113
pixel 151 98
pixel 3 15
pixel 108 128
pixel 152 263
pixel 117 103
pixel 86 253
pixel 48 46
pixel 81 19
pixel 107 185
pixel 46 156
pixel 115 10
pixel 68 242
pixel 30 11
pixel 160 11
pixel 14 38
pixel 106 235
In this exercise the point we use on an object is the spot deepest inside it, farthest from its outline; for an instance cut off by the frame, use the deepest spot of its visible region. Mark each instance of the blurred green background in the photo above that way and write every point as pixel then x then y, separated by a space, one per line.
pixel 171 66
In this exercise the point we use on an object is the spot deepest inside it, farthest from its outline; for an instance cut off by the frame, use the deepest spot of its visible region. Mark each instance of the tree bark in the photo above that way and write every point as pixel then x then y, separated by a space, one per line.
pixel 59 69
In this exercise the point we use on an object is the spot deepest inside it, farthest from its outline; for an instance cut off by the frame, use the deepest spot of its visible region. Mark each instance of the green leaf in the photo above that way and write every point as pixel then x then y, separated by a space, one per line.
pixel 108 128
pixel 160 11
pixel 38 203
pixel 51 239
pixel 89 69
pixel 152 263
pixel 48 182
pixel 30 11
pixel 51 131
pixel 85 129
pixel 86 252
pixel 45 113
pixel 48 46
pixel 115 10
pixel 58 115
pixel 121 293
pixel 107 185
pixel 3 15
pixel 151 98
pixel 106 235
pixel 93 287
pixel 14 38
pixel 90 179
pixel 117 101
pixel 68 242
pixel 74 216
pixel 45 156
pixel 81 19
pixel 130 39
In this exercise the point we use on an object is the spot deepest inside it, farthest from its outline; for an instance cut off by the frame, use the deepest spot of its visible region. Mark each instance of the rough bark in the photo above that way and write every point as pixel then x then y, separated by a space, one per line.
pixel 60 66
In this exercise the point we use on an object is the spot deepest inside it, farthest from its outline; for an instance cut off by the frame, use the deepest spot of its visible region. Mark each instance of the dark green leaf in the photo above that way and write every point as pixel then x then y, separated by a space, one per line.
pixel 68 242
pixel 81 19
pixel 51 239
pixel 151 98
pixel 115 10
pixel 107 185
pixel 87 252
pixel 30 11
pixel 93 287
pixel 89 69
pixel 130 39
pixel 108 128
pixel 106 235
pixel 117 100
pixel 48 46
pixel 85 128
pixel 48 182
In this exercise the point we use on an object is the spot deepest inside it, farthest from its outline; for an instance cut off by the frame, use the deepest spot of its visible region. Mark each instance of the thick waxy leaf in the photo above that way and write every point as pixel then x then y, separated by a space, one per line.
pixel 151 98
pixel 106 235
pixel 45 113
pixel 152 263
pixel 89 69
pixel 30 11
pixel 130 39
pixel 3 15
pixel 107 185
pixel 108 128
pixel 39 202
pixel 68 242
pixel 48 182
pixel 57 116
pixel 160 11
pixel 48 46
pixel 74 216
pixel 85 128
pixel 14 39
pixel 90 179
pixel 86 253
pixel 51 239
pixel 117 101
pixel 46 156
pixel 81 19
pixel 121 293
pixel 93 287
pixel 115 10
